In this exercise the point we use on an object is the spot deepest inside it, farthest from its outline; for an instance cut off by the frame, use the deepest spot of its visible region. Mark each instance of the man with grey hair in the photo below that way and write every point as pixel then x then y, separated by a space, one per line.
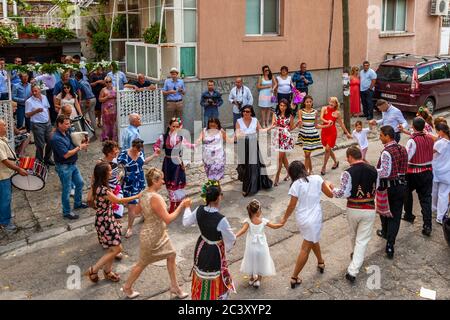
pixel 7 168
pixel 141 84
pixel 132 132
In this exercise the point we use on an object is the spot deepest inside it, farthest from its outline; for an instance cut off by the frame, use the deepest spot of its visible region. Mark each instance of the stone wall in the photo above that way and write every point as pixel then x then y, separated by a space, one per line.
pixel 326 84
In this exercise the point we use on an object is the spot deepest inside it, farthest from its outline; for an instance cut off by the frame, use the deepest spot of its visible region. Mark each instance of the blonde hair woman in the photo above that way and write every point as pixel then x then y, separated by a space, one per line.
pixel 154 240
pixel 330 115
pixel 355 98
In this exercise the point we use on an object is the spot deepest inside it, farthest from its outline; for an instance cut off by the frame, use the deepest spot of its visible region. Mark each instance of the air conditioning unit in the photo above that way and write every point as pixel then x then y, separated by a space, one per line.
pixel 439 7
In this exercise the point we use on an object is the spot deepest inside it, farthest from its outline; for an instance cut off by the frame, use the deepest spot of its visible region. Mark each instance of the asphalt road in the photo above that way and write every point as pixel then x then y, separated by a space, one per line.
pixel 53 269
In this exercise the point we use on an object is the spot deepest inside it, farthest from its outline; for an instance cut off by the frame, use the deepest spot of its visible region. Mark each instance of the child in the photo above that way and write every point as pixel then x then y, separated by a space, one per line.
pixel 360 134
pixel 257 261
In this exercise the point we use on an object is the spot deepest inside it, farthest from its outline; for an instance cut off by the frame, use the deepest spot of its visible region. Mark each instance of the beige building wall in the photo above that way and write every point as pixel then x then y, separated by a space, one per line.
pixel 224 50
pixel 422 36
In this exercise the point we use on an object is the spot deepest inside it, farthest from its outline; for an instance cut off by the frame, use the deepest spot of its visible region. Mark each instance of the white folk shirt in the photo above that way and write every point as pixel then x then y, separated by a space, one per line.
pixel 441 163
pixel 229 238
pixel 34 103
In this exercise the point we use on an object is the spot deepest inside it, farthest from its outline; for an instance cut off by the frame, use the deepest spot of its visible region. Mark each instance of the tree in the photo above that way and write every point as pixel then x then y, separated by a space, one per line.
pixel 346 57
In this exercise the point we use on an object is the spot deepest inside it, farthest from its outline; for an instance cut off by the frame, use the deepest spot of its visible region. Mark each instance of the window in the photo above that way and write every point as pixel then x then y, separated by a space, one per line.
pixel 438 71
pixel 424 74
pixel 262 17
pixel 394 74
pixel 394 16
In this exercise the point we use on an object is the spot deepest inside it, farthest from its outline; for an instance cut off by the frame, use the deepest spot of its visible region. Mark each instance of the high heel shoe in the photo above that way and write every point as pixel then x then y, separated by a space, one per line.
pixel 296 282
pixel 132 295
pixel 321 267
pixel 181 296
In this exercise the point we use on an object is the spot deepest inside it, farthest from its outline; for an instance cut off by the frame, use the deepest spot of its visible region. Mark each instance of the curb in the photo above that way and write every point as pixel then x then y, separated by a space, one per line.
pixel 57 231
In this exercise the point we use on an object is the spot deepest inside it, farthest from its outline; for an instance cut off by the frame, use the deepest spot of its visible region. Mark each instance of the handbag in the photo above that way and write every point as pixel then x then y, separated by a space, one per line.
pixel 90 199
pixel 273 99
pixel 382 203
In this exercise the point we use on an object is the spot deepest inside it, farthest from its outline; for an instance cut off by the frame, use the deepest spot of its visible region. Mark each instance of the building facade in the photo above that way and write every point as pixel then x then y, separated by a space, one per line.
pixel 216 39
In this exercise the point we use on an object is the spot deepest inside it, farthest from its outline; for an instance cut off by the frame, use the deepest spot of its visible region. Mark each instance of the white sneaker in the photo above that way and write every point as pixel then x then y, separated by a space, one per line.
pixel 439 221
pixel 257 284
pixel 72 192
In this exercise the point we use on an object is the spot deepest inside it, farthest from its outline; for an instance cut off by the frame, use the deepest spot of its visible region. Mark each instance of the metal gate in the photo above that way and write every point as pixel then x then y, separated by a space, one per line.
pixel 6 114
pixel 149 105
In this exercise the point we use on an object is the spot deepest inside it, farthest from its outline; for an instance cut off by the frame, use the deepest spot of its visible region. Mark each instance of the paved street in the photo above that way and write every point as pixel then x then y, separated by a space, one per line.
pixel 41 270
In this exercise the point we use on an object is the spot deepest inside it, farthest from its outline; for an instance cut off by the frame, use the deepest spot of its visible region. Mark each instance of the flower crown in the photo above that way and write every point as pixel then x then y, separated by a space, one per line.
pixel 179 121
pixel 209 183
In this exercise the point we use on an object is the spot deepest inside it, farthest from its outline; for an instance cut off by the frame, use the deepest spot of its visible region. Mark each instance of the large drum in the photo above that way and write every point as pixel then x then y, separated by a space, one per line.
pixel 79 124
pixel 37 175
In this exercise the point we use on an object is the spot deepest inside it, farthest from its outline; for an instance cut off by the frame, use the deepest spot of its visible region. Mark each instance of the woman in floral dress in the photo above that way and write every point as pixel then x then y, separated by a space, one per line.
pixel 213 137
pixel 108 229
pixel 109 111
pixel 282 141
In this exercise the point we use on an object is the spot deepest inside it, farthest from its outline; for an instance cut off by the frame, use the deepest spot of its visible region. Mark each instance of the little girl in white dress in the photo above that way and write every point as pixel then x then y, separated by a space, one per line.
pixel 257 261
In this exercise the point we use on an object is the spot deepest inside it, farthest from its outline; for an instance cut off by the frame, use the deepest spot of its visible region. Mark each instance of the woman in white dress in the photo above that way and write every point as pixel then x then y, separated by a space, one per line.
pixel 68 97
pixel 257 261
pixel 305 195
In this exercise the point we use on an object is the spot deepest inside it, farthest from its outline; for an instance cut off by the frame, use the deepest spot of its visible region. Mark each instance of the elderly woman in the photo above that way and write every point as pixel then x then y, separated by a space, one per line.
pixel 251 170
pixel 155 244
pixel 133 160
pixel 109 111
pixel 211 279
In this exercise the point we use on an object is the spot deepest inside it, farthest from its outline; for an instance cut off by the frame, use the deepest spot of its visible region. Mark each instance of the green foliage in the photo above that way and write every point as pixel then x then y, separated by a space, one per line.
pixel 100 44
pixel 120 26
pixel 151 35
pixel 30 29
pixel 20 4
pixel 59 34
pixel 7 36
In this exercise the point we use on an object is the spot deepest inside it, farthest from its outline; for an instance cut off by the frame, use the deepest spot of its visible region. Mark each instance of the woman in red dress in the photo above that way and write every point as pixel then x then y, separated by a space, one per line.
pixel 329 116
pixel 355 101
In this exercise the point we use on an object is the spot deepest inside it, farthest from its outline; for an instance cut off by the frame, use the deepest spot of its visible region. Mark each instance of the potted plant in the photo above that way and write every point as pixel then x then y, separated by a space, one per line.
pixel 151 35
pixel 29 31
pixel 59 34
pixel 7 35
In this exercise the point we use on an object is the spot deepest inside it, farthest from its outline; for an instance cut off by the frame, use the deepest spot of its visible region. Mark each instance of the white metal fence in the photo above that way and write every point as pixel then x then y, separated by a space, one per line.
pixel 6 114
pixel 149 105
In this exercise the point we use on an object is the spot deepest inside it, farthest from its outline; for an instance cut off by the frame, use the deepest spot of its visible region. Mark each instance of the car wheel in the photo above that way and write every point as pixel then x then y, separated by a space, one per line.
pixel 430 104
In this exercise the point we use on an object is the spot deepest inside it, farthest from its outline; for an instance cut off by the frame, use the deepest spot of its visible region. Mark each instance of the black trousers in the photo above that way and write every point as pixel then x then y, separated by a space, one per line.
pixel 423 184
pixel 390 226
pixel 367 102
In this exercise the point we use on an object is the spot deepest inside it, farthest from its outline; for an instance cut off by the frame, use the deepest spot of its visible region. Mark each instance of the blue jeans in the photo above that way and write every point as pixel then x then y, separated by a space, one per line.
pixel 5 201
pixel 4 96
pixel 210 112
pixel 68 174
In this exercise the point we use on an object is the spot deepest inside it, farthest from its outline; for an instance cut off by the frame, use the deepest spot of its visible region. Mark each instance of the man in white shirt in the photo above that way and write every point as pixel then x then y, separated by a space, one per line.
pixel 391 117
pixel 37 109
pixel 240 96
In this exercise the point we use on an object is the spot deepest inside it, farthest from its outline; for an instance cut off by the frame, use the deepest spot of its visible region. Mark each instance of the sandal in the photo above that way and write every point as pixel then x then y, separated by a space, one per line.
pixel 286 179
pixel 321 267
pixel 93 276
pixel 129 233
pixel 296 282
pixel 335 166
pixel 322 172
pixel 114 277
pixel 119 256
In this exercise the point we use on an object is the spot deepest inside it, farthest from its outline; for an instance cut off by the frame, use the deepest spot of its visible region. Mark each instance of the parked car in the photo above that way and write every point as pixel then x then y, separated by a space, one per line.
pixel 409 82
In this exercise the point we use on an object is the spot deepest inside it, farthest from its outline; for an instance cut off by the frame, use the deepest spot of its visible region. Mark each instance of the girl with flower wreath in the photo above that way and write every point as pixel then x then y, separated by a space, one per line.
pixel 211 279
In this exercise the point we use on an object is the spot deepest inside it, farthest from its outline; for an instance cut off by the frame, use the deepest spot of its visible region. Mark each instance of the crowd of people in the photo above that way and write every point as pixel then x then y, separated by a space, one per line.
pixel 119 178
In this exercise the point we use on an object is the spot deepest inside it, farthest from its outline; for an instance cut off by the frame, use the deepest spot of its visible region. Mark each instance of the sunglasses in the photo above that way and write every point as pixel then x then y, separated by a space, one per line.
pixel 246 111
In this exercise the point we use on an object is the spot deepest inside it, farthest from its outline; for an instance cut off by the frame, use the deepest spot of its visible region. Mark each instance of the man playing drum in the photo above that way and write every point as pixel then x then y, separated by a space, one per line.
pixel 7 167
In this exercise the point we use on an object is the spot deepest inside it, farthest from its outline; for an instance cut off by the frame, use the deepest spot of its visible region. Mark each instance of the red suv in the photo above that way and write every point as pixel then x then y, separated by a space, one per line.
pixel 409 82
